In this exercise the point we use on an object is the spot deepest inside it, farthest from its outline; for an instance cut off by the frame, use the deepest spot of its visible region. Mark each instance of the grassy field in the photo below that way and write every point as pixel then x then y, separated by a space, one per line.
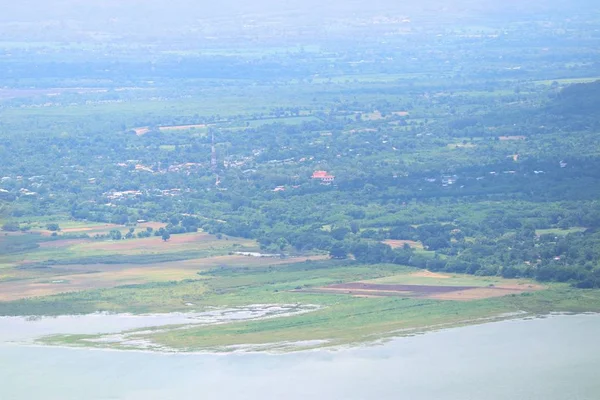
pixel 71 227
pixel 354 320
pixel 429 278
pixel 342 319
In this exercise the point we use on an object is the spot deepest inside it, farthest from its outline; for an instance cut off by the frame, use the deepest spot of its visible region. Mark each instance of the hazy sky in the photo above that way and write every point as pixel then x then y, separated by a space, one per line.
pixel 92 9
pixel 78 18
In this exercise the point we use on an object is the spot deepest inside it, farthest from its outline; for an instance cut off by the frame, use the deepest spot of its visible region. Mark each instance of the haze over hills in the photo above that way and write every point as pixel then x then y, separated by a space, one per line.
pixel 157 19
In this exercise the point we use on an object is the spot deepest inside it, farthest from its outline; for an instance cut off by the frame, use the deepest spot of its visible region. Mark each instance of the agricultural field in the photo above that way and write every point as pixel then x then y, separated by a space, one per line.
pixel 440 292
pixel 37 264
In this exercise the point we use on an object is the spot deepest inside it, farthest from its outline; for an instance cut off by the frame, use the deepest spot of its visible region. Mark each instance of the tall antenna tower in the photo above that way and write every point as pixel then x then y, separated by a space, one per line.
pixel 213 154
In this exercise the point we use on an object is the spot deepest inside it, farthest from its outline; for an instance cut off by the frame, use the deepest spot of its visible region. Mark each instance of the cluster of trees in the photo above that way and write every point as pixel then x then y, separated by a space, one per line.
pixel 11 227
pixel 116 234
pixel 570 258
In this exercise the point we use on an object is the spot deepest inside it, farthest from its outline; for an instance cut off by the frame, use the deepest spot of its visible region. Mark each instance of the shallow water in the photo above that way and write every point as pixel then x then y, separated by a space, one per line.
pixel 546 359
pixel 25 329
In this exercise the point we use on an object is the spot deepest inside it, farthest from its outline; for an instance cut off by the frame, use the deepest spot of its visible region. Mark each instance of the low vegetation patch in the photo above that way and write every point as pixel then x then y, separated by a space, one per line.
pixel 361 303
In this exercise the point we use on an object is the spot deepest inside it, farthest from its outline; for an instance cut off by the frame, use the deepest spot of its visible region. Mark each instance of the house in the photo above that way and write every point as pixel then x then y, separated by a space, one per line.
pixel 324 176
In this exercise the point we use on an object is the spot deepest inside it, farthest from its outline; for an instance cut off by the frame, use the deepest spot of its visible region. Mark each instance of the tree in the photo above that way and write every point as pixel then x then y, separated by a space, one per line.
pixel 166 236
pixel 10 227
pixel 115 234
pixel 282 243
pixel 338 251
pixel 436 243
pixel 354 227
pixel 53 227
pixel 339 233
pixel 120 219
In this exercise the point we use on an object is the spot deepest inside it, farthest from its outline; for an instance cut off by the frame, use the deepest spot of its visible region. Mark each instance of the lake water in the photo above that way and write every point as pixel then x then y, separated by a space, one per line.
pixel 556 358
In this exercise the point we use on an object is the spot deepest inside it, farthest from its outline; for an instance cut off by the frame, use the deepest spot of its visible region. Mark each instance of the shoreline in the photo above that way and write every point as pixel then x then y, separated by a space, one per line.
pixel 381 341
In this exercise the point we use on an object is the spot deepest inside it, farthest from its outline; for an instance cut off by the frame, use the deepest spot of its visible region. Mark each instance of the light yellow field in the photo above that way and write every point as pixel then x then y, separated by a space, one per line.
pixel 79 277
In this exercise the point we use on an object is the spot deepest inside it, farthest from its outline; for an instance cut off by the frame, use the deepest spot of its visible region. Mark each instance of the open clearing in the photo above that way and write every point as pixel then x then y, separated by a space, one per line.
pixel 425 277
pixel 79 282
pixel 155 244
pixel 559 232
pixel 461 145
pixel 429 274
pixel 182 127
pixel 143 130
pixel 79 277
pixel 421 291
pixel 91 229
pixel 430 285
pixel 61 243
pixel 48 250
pixel 505 138
pixel 394 244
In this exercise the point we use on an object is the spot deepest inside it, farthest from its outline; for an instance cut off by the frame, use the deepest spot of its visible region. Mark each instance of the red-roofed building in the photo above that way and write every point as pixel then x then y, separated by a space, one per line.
pixel 323 176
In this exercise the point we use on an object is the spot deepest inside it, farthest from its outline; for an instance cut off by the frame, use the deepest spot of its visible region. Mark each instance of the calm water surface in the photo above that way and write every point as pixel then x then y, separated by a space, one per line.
pixel 556 358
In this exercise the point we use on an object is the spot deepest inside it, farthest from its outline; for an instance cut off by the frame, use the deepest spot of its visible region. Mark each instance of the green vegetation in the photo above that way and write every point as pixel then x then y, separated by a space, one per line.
pixel 358 320
pixel 233 285
pixel 133 174
pixel 343 319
